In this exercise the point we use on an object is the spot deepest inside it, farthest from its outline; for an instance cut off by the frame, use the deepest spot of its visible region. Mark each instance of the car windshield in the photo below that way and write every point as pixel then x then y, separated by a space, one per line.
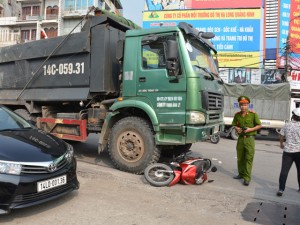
pixel 11 121
pixel 200 57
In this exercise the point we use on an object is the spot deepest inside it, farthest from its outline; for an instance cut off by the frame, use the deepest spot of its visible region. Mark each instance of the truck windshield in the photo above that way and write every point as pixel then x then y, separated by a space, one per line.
pixel 200 57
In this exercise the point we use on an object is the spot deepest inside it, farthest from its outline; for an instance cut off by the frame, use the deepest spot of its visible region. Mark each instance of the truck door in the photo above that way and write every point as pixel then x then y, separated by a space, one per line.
pixel 166 93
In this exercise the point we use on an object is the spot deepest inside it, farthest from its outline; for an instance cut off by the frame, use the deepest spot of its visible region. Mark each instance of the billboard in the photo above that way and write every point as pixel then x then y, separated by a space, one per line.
pixel 289 27
pixel 237 31
pixel 295 27
pixel 222 4
pixel 256 76
pixel 241 75
pixel 294 79
pixel 200 4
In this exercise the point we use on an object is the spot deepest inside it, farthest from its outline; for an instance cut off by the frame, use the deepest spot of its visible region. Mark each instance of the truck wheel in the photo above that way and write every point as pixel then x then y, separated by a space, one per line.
pixel 131 145
pixel 234 135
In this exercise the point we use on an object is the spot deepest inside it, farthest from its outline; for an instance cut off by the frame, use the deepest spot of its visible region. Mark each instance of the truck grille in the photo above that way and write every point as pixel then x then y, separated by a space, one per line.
pixel 212 101
pixel 214 116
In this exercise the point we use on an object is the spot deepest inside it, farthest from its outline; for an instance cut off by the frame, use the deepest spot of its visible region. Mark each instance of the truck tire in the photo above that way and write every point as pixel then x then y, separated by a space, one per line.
pixel 131 145
pixel 234 135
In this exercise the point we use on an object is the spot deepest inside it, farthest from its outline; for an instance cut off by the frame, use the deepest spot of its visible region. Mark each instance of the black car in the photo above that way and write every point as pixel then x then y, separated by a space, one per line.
pixel 35 166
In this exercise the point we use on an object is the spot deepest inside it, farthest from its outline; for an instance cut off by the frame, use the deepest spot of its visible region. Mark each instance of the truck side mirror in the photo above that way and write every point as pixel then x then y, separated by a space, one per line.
pixel 120 50
pixel 172 58
pixel 217 64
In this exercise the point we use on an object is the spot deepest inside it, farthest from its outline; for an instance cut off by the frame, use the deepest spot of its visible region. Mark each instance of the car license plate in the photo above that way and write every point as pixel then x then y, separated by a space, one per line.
pixel 51 183
pixel 216 129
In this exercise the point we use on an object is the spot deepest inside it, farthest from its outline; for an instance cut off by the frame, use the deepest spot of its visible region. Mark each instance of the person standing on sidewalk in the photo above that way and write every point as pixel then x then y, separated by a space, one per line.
pixel 291 149
pixel 246 123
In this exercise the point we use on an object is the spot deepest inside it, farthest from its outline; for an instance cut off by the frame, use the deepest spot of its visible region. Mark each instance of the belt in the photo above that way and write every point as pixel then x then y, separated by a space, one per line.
pixel 245 136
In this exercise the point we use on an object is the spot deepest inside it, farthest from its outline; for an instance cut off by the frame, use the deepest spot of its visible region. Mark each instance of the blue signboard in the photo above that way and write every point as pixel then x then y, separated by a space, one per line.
pixel 231 35
pixel 284 24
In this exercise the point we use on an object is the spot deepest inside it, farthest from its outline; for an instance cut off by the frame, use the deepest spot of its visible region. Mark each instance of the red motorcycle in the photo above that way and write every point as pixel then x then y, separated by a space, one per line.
pixel 183 168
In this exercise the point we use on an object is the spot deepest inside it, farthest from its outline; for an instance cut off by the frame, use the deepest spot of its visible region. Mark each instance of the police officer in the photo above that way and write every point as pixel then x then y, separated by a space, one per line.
pixel 246 123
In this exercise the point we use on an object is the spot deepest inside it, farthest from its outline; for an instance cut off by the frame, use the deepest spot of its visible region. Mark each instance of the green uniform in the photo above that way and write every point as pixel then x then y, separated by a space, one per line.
pixel 245 145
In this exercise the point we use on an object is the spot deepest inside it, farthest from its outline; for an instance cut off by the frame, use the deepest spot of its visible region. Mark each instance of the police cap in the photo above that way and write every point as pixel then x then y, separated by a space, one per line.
pixel 296 112
pixel 243 99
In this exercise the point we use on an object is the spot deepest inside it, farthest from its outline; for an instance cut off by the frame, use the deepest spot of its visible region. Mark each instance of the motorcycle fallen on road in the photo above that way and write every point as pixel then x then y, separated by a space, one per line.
pixel 183 168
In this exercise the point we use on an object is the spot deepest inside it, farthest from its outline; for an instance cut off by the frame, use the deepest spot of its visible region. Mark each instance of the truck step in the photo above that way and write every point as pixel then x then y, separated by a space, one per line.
pixel 73 116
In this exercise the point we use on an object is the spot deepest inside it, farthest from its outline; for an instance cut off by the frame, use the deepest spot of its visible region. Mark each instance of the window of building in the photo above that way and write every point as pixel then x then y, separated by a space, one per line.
pixel 35 10
pixel 33 34
pixel 71 5
pixel 25 35
pixel 52 12
pixel 100 4
pixel 107 7
pixel 48 10
pixel 26 11
pixel 1 11
pixel 51 32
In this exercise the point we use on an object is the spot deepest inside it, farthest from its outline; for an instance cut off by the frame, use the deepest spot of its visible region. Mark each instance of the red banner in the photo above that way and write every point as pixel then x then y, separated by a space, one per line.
pixel 222 4
pixel 294 31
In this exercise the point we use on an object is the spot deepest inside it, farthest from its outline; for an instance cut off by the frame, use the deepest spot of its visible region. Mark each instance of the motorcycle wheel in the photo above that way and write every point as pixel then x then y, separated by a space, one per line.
pixel 159 174
pixel 215 138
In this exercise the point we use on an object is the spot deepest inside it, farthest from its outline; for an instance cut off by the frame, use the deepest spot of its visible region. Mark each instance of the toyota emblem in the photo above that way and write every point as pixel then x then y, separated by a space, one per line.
pixel 52 167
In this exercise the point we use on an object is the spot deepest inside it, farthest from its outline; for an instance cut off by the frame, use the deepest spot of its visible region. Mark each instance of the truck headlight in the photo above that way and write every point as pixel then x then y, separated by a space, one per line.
pixel 197 117
pixel 10 168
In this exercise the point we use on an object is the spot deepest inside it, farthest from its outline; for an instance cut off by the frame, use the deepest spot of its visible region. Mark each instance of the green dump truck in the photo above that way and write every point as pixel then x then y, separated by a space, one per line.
pixel 145 92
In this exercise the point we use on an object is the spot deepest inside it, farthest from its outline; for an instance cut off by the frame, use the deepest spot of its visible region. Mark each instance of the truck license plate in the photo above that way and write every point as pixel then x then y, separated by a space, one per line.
pixel 51 183
pixel 216 129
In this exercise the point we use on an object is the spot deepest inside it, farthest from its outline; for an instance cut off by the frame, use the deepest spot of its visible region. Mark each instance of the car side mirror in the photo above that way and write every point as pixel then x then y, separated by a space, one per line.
pixel 172 57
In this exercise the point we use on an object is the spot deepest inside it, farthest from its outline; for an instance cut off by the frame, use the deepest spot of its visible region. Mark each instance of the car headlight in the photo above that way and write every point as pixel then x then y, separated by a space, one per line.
pixel 10 168
pixel 70 153
pixel 197 117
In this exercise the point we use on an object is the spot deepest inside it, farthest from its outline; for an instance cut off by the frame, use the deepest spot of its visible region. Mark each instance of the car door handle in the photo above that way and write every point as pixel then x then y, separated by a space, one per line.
pixel 142 79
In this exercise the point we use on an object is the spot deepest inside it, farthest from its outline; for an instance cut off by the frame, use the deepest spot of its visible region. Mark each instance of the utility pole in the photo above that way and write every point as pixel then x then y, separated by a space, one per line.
pixel 287 52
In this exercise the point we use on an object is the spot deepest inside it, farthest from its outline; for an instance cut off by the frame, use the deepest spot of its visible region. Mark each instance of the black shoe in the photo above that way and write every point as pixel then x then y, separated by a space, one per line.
pixel 280 193
pixel 237 177
pixel 246 183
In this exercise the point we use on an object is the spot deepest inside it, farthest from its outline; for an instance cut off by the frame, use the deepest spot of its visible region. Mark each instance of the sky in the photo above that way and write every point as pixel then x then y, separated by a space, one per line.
pixel 133 10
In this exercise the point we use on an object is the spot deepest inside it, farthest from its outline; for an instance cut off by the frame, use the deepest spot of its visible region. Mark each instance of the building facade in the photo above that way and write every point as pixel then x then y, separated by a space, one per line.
pixel 258 39
pixel 27 20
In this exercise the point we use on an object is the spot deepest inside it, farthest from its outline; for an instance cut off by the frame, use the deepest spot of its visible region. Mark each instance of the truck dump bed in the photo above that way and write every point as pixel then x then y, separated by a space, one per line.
pixel 270 102
pixel 84 65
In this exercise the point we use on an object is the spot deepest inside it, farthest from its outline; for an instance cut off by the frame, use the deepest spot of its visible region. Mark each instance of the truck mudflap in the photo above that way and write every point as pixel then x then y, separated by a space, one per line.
pixel 63 132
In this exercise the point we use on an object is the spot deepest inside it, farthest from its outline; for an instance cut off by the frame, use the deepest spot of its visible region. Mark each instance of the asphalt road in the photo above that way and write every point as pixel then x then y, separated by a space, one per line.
pixel 109 196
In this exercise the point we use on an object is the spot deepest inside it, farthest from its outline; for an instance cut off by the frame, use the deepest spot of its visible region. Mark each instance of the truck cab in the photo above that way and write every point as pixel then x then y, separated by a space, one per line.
pixel 170 78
